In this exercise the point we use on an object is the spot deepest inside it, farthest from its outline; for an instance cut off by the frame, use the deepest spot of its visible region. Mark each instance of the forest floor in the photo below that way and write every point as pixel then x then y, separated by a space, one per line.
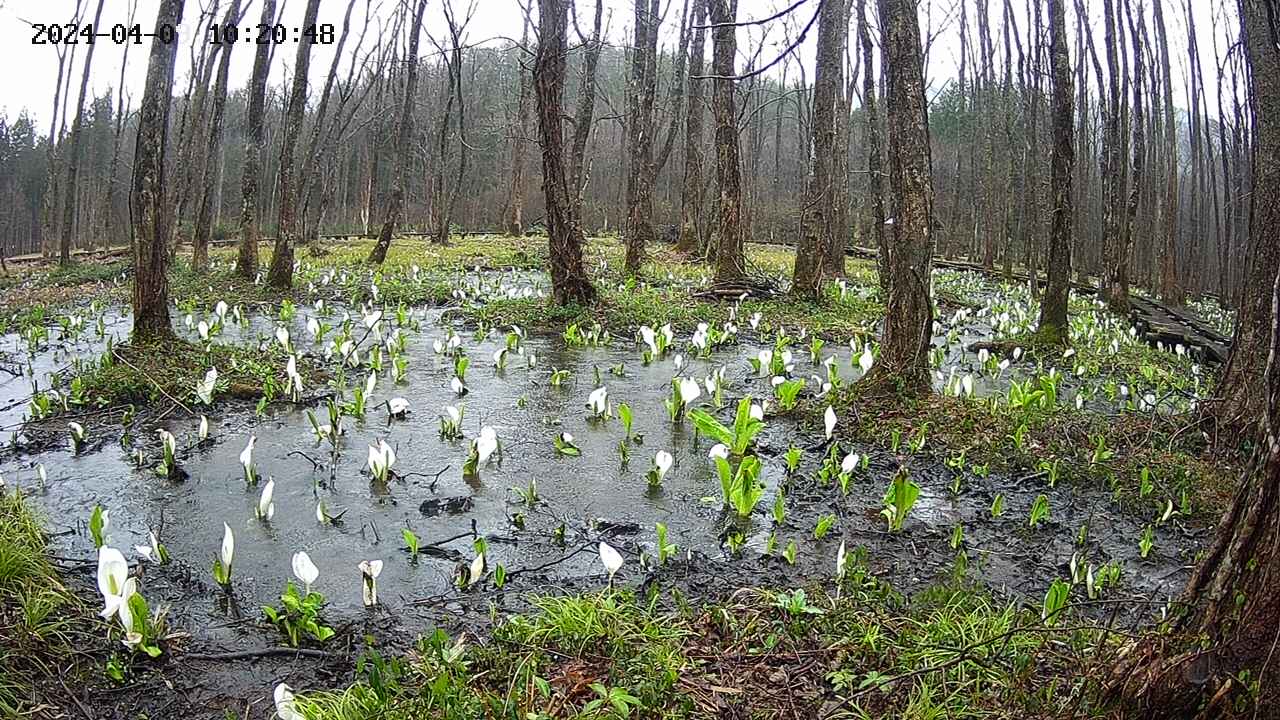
pixel 940 619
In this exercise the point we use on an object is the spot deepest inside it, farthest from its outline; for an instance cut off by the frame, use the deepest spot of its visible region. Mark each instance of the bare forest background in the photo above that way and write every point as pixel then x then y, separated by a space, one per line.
pixel 1172 156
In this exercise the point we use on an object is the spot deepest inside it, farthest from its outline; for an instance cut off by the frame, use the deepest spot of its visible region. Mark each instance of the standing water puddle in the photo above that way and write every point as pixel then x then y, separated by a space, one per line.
pixel 592 496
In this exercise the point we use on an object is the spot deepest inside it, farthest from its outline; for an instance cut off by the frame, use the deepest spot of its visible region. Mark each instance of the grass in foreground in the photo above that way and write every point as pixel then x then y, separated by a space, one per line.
pixel 865 653
pixel 37 618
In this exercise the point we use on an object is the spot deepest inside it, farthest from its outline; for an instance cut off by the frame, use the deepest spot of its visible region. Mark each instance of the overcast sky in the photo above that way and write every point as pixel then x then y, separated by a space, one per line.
pixel 31 69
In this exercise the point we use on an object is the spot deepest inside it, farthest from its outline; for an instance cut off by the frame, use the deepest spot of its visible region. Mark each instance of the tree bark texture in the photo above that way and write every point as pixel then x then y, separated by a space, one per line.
pixel 149 204
pixel 904 348
pixel 569 281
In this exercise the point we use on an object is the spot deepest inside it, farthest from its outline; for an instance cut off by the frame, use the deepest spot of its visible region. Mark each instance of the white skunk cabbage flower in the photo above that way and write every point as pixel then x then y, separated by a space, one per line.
pixel 598 402
pixel 266 506
pixel 305 570
pixel 689 390
pixel 476 571
pixel 610 558
pixel 662 461
pixel 866 359
pixel 486 444
pixel 286 707
pixel 246 461
pixel 370 570
pixel 204 388
pixel 113 571
pixel 850 463
pixel 397 406
pixel 381 458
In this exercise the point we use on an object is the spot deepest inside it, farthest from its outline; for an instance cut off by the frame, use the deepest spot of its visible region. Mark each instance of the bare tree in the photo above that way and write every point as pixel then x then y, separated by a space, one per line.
pixel 903 365
pixel 322 129
pixel 1053 308
pixel 48 208
pixel 569 281
pixel 280 273
pixel 204 215
pixel 818 217
pixel 73 154
pixel 1115 266
pixel 730 260
pixel 247 259
pixel 113 182
pixel 640 124
pixel 404 133
pixel 149 205
pixel 692 234
pixel 1170 291
pixel 584 118
pixel 875 183
pixel 515 220
pixel 1229 629
pixel 1242 392
pixel 443 202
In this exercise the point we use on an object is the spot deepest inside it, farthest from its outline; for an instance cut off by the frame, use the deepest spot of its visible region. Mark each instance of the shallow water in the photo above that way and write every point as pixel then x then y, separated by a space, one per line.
pixel 579 492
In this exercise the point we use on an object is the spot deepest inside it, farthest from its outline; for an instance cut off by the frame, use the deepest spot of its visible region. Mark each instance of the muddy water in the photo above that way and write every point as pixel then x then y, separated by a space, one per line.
pixel 593 495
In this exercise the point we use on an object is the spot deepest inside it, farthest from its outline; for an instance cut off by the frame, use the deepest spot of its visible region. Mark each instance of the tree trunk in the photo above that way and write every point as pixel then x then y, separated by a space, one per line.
pixel 692 235
pixel 209 187
pixel 818 212
pixel 404 134
pixel 280 274
pixel 515 220
pixel 49 201
pixel 1241 393
pixel 321 133
pixel 149 207
pixel 1115 257
pixel 875 181
pixel 73 155
pixel 584 120
pixel 903 365
pixel 569 282
pixel 730 262
pixel 644 79
pixel 445 202
pixel 113 182
pixel 1234 609
pixel 247 259
pixel 1170 291
pixel 1053 307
